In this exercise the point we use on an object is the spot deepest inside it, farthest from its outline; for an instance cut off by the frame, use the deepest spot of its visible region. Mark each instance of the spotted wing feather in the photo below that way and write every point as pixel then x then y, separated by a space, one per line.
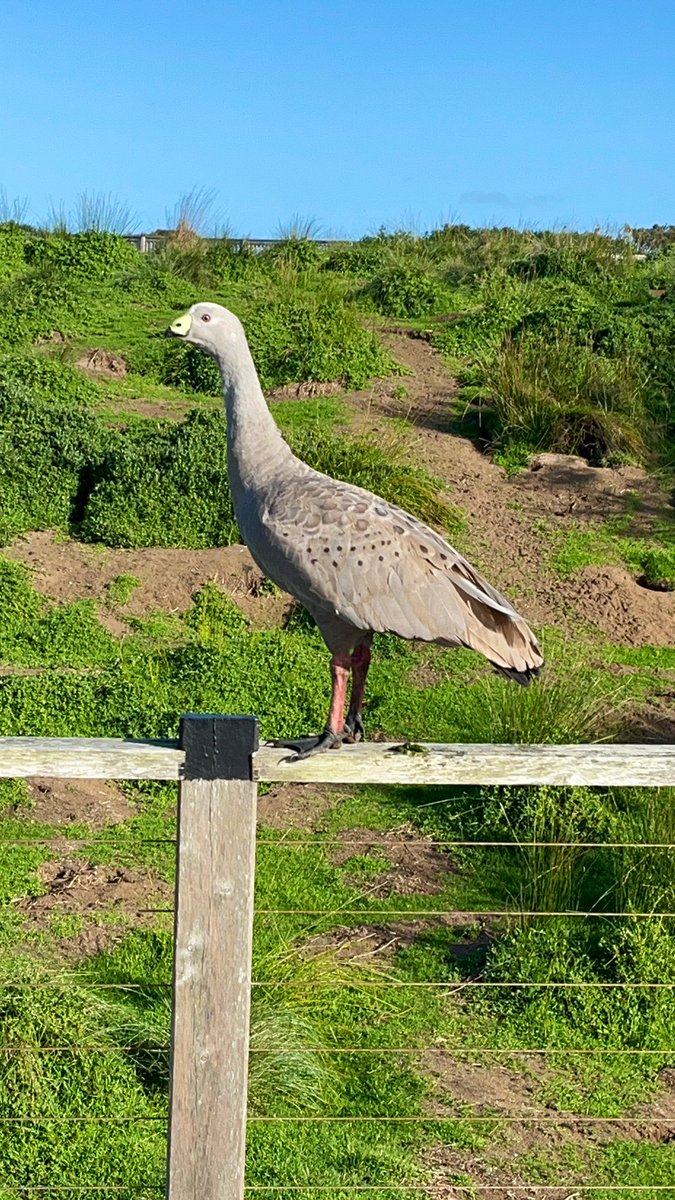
pixel 345 552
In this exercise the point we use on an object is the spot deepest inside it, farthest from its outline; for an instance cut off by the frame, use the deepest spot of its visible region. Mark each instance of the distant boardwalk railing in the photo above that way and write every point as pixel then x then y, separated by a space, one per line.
pixel 147 242
pixel 218 765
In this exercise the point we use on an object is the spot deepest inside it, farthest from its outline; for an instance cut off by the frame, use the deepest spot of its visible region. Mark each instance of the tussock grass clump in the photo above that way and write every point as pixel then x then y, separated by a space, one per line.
pixel 284 1077
pixel 564 397
pixel 572 705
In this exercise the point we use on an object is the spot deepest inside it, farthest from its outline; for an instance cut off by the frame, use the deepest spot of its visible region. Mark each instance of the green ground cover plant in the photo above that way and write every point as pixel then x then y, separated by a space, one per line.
pixel 561 343
pixel 159 482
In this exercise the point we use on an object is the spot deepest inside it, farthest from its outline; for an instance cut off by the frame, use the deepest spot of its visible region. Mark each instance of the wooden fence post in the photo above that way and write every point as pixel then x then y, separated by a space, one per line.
pixel 212 965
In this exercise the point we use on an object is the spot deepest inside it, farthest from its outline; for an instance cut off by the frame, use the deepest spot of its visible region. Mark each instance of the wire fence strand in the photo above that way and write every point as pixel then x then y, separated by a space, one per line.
pixel 139 1189
pixel 360 1118
pixel 465 914
pixel 336 1051
pixel 472 1118
pixel 58 839
pixel 382 841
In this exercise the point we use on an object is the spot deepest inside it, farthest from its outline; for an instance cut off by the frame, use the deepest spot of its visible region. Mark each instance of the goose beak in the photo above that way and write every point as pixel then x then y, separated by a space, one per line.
pixel 180 327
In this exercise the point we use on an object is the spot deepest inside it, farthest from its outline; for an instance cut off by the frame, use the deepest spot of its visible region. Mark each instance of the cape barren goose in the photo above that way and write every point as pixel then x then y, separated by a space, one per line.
pixel 359 564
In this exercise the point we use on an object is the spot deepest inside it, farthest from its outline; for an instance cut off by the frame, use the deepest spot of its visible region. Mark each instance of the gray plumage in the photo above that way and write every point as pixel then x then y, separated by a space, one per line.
pixel 359 564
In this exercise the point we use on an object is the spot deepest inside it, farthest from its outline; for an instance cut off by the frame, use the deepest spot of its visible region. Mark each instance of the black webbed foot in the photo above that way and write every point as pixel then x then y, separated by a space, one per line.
pixel 354 727
pixel 306 746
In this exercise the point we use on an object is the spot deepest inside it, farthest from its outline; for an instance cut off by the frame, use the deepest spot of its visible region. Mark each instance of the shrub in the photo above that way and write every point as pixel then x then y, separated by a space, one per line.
pixel 13 241
pixel 93 255
pixel 358 258
pixel 297 252
pixel 185 367
pixel 312 337
pixel 47 378
pixel 228 261
pixel 406 291
pixel 35 307
pixel 49 456
pixel 165 485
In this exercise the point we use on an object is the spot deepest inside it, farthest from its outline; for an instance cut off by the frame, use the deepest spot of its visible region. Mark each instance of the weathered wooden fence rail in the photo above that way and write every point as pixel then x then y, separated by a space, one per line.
pixel 428 764
pixel 218 763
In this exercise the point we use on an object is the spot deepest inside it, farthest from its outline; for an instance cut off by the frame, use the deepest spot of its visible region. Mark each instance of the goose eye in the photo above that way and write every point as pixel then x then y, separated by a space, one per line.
pixel 206 317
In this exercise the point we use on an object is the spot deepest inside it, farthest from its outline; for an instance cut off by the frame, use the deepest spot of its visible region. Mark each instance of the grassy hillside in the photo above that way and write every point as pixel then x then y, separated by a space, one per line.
pixel 430 369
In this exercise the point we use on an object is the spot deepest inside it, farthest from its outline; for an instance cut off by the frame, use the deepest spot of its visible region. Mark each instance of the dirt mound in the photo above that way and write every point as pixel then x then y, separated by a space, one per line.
pixel 630 615
pixel 103 362
pixel 296 805
pixel 168 578
pixel 92 802
pixel 564 485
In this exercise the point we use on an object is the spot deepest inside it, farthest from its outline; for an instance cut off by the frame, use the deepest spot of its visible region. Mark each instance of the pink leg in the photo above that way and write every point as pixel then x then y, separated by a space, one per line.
pixel 335 731
pixel 340 666
pixel 360 662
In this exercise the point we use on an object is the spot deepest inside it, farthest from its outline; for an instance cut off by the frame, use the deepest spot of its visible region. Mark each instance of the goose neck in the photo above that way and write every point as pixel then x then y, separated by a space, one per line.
pixel 255 444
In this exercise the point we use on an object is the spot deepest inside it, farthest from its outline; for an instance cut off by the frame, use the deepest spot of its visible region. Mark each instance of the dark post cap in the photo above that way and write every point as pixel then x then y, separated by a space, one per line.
pixel 218 747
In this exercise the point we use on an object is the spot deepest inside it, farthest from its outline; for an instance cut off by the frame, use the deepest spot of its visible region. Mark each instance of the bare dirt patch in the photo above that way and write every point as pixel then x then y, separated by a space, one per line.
pixel 416 867
pixel 379 943
pixel 296 805
pixel 564 485
pixel 106 901
pixel 463 1086
pixel 92 802
pixel 103 362
pixel 169 578
pixel 630 615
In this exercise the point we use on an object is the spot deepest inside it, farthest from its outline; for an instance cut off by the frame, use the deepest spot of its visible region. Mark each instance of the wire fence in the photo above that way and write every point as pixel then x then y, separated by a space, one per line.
pixel 450 1118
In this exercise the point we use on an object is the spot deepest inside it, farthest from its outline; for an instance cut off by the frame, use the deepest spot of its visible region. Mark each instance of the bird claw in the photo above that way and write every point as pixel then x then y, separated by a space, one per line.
pixel 306 746
pixel 354 728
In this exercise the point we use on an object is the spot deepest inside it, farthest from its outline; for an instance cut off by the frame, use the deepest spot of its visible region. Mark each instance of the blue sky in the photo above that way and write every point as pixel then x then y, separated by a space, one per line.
pixel 355 114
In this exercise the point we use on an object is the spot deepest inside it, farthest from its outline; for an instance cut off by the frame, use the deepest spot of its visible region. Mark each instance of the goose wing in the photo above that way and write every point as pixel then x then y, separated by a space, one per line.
pixel 342 549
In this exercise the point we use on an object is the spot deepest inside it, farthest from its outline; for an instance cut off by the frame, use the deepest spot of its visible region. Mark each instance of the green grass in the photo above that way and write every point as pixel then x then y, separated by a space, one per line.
pixel 652 561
